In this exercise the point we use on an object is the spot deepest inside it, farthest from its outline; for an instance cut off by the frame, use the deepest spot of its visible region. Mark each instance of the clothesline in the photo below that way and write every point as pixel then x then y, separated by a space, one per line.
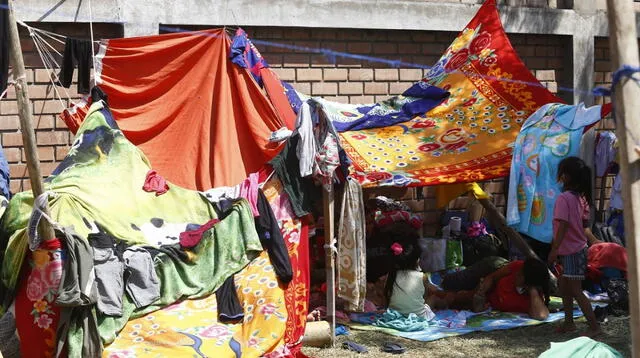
pixel 332 56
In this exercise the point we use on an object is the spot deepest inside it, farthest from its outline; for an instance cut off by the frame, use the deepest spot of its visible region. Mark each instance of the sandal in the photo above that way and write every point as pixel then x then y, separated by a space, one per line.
pixel 355 347
pixel 393 348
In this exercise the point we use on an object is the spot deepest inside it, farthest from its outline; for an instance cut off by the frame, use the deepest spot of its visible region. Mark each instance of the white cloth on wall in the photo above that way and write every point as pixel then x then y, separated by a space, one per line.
pixel 434 254
pixel 615 202
pixel 605 152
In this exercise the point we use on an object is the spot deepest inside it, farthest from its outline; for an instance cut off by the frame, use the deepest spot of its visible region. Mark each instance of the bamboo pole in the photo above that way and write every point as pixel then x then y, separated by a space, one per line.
pixel 624 51
pixel 26 119
pixel 329 229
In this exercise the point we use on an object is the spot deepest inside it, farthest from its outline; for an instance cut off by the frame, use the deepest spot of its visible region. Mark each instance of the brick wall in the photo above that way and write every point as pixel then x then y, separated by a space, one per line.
pixel 52 136
pixel 343 79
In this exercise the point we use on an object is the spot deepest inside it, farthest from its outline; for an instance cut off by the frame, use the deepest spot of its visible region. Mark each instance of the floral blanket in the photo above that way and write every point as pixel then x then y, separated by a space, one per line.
pixel 467 138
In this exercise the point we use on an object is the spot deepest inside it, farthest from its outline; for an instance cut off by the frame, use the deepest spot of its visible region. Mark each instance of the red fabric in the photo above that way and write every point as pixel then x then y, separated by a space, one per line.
pixel 155 183
pixel 36 315
pixel 297 293
pixel 504 296
pixel 202 121
pixel 277 95
pixel 608 254
pixel 191 238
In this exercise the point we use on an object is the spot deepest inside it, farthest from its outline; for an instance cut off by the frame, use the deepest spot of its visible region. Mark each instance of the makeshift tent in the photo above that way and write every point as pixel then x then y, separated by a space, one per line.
pixel 99 185
pixel 201 120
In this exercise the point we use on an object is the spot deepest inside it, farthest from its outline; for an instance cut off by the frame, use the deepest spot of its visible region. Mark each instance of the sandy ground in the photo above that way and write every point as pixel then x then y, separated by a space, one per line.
pixel 519 342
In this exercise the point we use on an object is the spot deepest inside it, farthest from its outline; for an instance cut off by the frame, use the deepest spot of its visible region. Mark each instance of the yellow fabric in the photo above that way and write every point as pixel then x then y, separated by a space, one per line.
pixel 446 193
pixel 191 327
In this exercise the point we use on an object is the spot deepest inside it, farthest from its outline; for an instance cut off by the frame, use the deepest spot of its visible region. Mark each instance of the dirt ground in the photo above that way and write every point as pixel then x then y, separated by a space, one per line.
pixel 519 342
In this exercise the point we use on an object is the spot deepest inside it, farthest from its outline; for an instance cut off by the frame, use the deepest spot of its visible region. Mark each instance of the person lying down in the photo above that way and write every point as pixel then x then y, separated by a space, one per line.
pixel 518 286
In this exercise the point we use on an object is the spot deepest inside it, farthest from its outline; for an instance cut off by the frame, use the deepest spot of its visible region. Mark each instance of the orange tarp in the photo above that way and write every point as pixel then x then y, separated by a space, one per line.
pixel 202 121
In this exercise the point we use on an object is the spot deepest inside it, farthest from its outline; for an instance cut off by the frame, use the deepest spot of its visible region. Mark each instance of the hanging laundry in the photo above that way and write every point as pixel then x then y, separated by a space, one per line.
pixel 155 183
pixel 287 168
pixel 549 135
pixel 76 53
pixel 229 307
pixel 306 149
pixel 4 44
pixel 244 54
pixel 615 202
pixel 191 238
pixel 352 250
pixel 248 189
pixel 272 240
pixel 605 152
pixel 416 101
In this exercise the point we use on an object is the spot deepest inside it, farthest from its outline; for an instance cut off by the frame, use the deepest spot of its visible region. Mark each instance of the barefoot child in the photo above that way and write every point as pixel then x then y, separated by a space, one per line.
pixel 569 244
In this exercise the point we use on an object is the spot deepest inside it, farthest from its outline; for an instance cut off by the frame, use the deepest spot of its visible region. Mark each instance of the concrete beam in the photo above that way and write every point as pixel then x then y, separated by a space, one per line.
pixel 363 14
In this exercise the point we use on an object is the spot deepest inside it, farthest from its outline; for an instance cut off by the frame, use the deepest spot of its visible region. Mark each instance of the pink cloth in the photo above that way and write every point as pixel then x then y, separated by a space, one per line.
pixel 249 190
pixel 189 239
pixel 155 183
pixel 572 209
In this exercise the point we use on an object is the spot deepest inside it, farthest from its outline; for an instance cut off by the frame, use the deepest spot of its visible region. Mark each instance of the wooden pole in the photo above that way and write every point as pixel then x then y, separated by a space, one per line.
pixel 624 51
pixel 328 199
pixel 26 119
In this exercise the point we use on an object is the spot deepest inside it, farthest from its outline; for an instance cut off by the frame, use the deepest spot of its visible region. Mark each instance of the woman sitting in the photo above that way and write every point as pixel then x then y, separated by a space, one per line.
pixel 519 286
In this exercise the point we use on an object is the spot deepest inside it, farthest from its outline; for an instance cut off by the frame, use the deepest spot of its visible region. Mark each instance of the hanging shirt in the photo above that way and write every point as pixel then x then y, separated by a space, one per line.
pixel 306 149
pixel 605 152
pixel 615 202
pixel 549 135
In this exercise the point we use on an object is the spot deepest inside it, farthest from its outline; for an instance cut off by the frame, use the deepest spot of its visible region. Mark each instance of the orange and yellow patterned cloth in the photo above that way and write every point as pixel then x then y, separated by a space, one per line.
pixel 469 137
pixel 274 317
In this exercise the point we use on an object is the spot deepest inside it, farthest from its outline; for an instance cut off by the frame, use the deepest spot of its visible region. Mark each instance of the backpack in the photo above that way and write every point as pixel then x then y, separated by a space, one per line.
pixel 477 248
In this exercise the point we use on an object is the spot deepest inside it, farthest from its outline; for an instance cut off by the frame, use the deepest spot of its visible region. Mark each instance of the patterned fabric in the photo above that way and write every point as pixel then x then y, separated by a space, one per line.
pixel 469 136
pixel 352 255
pixel 574 266
pixel 274 318
pixel 327 160
pixel 36 314
pixel 415 101
pixel 246 55
pixel 551 134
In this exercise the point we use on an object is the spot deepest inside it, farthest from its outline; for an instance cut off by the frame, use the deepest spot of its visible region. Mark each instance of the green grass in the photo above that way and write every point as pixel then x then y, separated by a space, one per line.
pixel 519 342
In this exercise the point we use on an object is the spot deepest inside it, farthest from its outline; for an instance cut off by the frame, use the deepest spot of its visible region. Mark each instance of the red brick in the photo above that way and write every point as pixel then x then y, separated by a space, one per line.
pixel 602 66
pixel 335 46
pixel 309 74
pixel 60 123
pixel 360 74
pixel 552 86
pixel 336 74
pixel 296 60
pixel 46 154
pixel 386 74
pixel 385 48
pixel 398 87
pixel 44 76
pixel 13 155
pixel 296 33
pixel 423 36
pixel 324 88
pixel 12 139
pixel 349 34
pixel 339 99
pixel 286 74
pixel 302 87
pixel 359 47
pixel 8 107
pixel 42 92
pixel 47 168
pixel 61 152
pixel 381 98
pixel 43 121
pixel 323 34
pixel 361 99
pixel 350 88
pixel 18 170
pixel 546 75
pixel 320 60
pixel 376 88
pixel 410 74
pixel 52 138
pixel 9 122
pixel 48 107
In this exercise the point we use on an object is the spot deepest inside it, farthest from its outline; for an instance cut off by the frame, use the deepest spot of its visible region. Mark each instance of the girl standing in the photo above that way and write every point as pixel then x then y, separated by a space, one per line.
pixel 569 245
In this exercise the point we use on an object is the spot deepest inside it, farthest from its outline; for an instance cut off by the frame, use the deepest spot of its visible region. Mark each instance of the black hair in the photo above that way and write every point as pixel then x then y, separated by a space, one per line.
pixel 577 176
pixel 406 260
pixel 536 274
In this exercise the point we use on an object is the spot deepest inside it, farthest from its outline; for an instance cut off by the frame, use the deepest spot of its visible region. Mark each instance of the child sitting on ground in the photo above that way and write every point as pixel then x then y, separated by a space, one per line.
pixel 405 286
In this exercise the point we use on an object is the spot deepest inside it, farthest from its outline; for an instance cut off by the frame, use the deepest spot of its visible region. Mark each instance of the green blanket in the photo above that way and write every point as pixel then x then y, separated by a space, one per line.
pixel 100 183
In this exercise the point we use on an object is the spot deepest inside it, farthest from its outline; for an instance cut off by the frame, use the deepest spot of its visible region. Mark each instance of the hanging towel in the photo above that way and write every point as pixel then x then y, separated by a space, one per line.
pixel 76 53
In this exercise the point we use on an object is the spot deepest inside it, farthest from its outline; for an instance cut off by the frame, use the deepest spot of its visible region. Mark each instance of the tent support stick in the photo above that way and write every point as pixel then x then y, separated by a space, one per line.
pixel 26 119
pixel 624 51
pixel 328 199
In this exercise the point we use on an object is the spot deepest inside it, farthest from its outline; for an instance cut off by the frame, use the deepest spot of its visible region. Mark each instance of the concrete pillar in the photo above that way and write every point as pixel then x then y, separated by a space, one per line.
pixel 583 62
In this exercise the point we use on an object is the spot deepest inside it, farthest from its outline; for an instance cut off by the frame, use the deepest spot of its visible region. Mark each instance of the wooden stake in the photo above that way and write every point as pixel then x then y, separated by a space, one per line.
pixel 329 234
pixel 26 121
pixel 624 51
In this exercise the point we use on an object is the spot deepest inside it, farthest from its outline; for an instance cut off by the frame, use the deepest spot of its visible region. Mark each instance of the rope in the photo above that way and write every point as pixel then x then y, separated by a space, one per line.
pixel 622 73
pixel 49 63
pixel 93 52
